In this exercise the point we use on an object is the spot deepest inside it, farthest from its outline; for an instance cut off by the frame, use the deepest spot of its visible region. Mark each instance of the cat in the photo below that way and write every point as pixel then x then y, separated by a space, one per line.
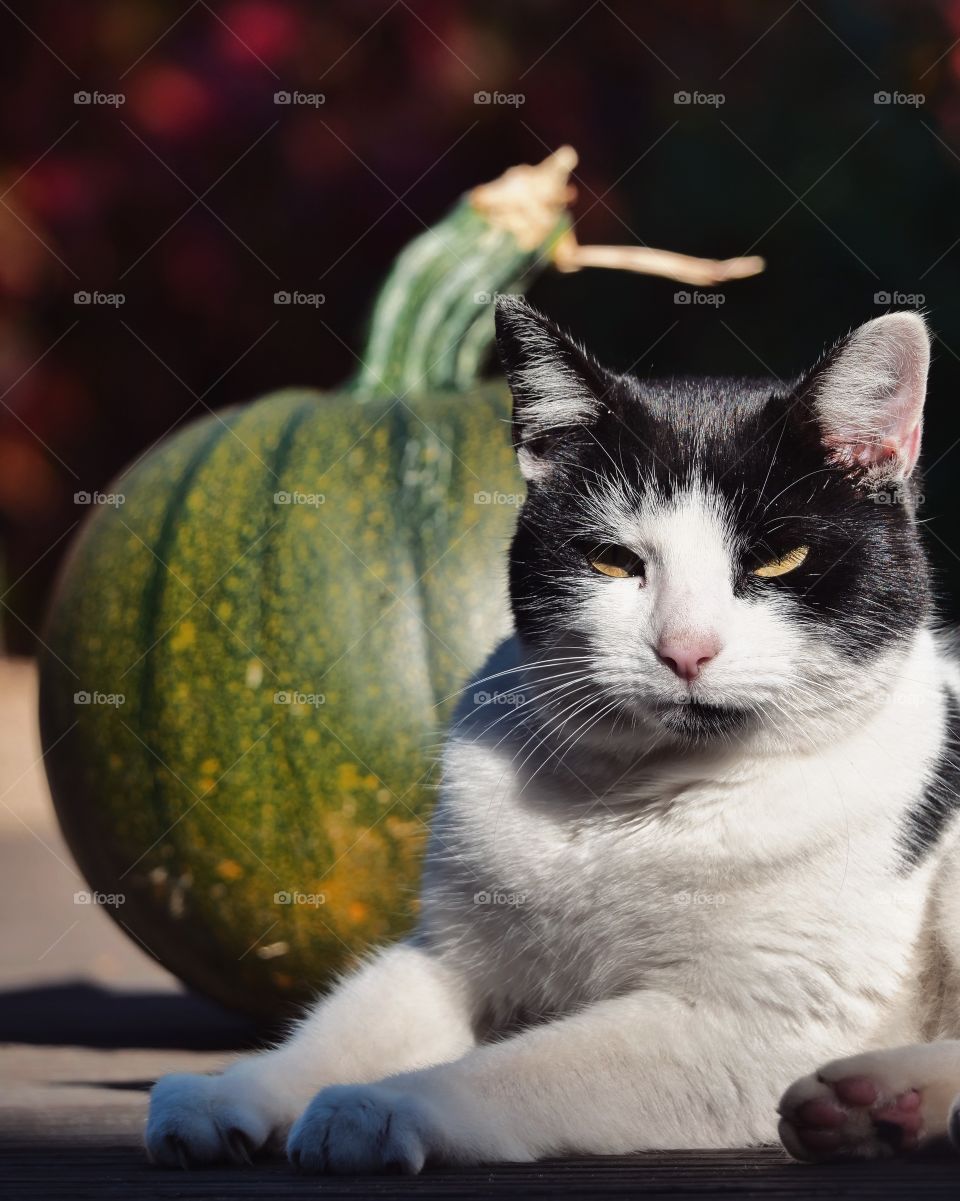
pixel 695 833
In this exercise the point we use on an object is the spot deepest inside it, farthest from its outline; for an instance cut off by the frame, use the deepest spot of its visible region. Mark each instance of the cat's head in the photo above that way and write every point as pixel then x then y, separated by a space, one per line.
pixel 719 558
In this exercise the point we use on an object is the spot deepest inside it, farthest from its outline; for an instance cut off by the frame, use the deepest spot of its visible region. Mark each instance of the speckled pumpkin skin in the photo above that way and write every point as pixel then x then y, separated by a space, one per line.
pixel 202 795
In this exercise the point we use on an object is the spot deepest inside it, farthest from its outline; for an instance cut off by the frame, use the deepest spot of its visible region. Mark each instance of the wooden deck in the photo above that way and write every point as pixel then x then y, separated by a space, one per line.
pixel 87 1022
pixel 60 1172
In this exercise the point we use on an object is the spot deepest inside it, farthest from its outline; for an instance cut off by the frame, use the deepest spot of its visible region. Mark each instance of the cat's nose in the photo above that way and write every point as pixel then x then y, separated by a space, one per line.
pixel 687 655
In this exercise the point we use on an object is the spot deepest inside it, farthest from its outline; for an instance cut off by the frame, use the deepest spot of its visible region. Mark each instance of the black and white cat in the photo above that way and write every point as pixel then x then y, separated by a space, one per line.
pixel 696 829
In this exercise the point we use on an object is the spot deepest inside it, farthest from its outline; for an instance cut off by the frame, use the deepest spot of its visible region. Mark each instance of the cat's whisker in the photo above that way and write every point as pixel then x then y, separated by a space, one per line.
pixel 557 721
pixel 580 708
pixel 795 483
pixel 555 711
pixel 539 702
pixel 581 733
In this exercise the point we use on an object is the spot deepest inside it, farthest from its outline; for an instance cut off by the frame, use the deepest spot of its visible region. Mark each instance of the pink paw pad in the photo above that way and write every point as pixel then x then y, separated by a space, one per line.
pixel 825 1125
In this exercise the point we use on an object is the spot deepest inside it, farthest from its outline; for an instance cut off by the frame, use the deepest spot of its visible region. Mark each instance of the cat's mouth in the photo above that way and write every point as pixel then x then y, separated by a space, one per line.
pixel 701 719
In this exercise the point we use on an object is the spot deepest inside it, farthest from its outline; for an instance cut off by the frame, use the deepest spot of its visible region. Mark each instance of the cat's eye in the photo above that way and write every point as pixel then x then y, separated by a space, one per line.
pixel 788 562
pixel 618 562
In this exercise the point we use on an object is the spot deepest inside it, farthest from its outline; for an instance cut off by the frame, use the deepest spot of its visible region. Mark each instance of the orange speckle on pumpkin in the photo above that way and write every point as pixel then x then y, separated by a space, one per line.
pixel 210 767
pixel 229 869
pixel 185 635
pixel 357 911
pixel 403 828
pixel 348 777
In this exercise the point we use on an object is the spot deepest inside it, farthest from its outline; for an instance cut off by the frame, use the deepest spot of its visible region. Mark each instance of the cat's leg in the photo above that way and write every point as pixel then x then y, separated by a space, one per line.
pixel 883 1101
pixel 402 1010
pixel 640 1071
pixel 875 1104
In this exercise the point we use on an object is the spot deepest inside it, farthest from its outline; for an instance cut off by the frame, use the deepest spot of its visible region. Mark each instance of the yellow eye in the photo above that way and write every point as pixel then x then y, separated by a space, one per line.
pixel 616 561
pixel 789 562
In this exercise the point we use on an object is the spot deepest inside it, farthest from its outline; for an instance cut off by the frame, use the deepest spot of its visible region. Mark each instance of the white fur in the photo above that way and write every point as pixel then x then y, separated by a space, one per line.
pixel 681 925
pixel 553 397
pixel 626 941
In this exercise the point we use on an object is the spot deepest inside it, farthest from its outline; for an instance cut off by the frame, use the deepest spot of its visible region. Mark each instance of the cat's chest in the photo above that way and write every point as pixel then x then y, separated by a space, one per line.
pixel 596 904
pixel 607 880
pixel 579 907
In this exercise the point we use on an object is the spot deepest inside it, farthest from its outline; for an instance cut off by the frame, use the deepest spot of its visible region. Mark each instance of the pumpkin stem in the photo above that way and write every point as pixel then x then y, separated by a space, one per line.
pixel 569 255
pixel 432 324
pixel 529 201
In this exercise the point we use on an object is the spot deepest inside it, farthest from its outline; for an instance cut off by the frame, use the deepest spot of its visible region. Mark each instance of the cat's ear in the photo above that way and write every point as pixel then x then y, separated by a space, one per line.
pixel 556 386
pixel 867 394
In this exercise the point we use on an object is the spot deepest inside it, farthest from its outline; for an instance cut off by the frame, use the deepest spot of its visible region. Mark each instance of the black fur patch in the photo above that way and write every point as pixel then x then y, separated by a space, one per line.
pixel 757 443
pixel 924 825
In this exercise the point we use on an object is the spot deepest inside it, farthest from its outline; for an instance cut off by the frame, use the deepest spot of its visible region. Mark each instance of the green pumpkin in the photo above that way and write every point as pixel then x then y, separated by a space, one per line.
pixel 249 661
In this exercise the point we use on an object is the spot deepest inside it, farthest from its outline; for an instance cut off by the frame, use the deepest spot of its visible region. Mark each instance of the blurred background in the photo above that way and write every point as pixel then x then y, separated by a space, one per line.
pixel 145 159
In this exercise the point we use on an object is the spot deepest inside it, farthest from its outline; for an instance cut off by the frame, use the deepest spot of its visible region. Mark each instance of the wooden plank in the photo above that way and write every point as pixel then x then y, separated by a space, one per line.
pixel 100 1173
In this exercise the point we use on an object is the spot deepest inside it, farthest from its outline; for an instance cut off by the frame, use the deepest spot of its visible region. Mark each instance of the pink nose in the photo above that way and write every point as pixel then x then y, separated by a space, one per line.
pixel 686 655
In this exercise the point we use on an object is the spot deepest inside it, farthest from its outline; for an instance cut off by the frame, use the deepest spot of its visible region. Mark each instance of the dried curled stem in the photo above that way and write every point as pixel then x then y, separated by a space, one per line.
pixel 529 201
pixel 569 255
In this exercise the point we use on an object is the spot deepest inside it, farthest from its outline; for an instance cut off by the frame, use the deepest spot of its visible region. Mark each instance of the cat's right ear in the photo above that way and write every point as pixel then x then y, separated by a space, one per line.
pixel 868 394
pixel 557 387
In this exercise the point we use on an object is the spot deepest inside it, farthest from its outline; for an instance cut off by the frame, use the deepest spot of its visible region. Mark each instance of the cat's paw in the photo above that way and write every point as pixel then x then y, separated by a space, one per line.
pixel 362 1128
pixel 196 1120
pixel 870 1106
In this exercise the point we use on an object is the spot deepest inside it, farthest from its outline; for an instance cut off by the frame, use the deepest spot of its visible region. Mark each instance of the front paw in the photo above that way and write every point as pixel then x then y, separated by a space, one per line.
pixel 868 1106
pixel 362 1128
pixel 196 1120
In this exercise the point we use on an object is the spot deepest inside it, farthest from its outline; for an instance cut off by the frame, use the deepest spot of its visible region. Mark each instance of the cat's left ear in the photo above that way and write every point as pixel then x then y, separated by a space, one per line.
pixel 867 394
pixel 557 388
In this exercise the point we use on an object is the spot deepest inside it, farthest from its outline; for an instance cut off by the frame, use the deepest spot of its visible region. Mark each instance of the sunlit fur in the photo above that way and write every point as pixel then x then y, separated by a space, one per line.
pixel 649 903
